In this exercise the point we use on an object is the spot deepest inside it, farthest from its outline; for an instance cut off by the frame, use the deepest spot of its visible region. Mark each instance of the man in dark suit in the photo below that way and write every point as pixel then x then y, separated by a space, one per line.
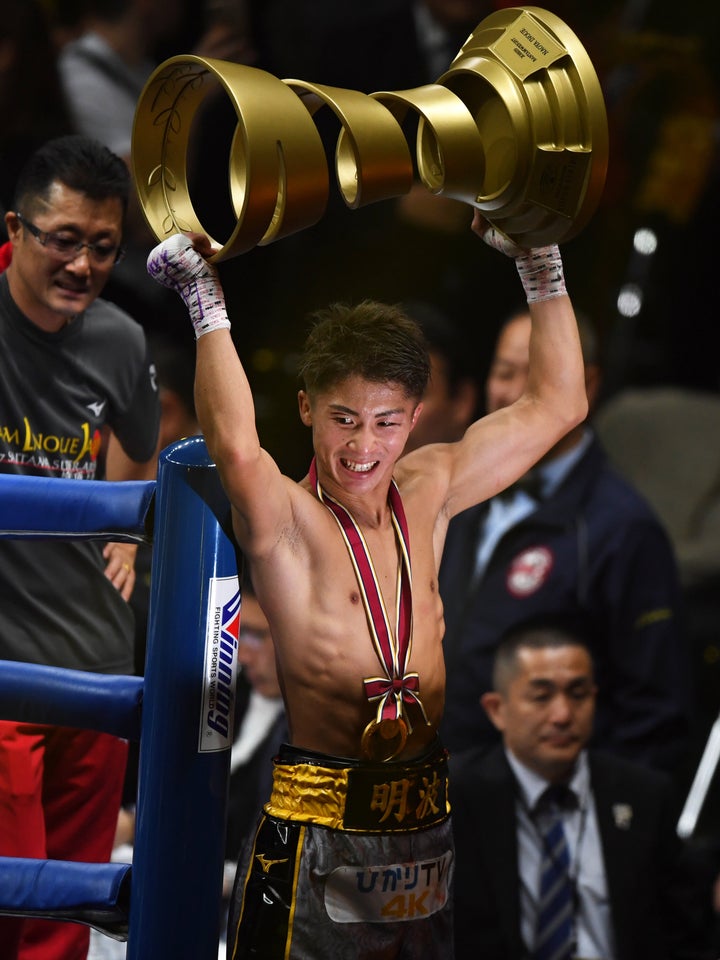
pixel 581 540
pixel 615 860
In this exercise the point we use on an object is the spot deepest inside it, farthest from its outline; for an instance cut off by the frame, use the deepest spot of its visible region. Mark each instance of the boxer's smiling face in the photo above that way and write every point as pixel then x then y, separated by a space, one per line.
pixel 359 431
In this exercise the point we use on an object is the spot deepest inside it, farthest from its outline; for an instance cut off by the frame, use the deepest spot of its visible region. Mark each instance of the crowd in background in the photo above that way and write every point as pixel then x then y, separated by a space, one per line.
pixel 651 302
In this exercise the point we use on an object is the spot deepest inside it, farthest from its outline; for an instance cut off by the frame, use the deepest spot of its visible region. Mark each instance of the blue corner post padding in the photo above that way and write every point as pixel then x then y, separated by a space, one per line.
pixel 33 507
pixel 96 894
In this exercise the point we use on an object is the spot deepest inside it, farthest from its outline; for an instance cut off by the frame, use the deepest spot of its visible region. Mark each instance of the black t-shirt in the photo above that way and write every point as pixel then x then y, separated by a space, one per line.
pixel 57 393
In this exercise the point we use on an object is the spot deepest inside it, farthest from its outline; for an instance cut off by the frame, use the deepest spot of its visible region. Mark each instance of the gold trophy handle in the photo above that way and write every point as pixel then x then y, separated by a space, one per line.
pixel 516 127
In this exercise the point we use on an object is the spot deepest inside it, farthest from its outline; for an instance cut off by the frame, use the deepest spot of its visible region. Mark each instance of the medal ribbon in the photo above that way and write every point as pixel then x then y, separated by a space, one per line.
pixel 397 687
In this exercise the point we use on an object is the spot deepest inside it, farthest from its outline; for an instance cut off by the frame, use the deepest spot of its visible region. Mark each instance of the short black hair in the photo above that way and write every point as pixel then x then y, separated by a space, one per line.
pixel 372 340
pixel 80 163
pixel 543 630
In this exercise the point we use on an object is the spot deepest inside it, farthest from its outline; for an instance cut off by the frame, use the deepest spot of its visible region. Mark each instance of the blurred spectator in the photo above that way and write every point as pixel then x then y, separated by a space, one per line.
pixel 103 73
pixel 105 69
pixel 451 400
pixel 32 104
pixel 574 537
pixel 563 852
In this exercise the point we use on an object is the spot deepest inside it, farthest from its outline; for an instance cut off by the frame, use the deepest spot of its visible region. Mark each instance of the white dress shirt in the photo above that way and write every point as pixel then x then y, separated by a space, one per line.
pixel 593 922
pixel 504 514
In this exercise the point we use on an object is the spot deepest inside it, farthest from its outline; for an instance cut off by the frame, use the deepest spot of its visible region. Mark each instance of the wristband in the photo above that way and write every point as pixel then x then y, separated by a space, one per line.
pixel 541 273
pixel 177 265
pixel 540 269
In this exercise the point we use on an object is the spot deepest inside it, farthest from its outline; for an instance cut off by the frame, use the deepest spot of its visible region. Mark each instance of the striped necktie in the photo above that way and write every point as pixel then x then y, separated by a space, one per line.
pixel 554 939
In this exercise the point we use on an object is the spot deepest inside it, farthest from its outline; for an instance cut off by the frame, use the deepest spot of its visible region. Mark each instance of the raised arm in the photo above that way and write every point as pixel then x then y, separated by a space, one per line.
pixel 255 487
pixel 502 446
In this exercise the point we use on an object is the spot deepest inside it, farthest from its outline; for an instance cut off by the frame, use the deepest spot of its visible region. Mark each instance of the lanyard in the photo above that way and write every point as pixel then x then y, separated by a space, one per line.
pixel 396 688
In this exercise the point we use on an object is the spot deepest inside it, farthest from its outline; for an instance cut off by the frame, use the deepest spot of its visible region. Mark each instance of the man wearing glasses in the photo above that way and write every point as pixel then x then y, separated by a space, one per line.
pixel 74 371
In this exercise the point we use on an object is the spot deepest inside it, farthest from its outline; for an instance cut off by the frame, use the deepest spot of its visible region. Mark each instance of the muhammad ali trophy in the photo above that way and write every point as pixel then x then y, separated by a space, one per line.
pixel 515 127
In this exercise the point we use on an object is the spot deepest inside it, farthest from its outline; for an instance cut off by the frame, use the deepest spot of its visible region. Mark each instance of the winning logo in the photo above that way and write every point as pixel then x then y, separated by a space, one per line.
pixel 221 666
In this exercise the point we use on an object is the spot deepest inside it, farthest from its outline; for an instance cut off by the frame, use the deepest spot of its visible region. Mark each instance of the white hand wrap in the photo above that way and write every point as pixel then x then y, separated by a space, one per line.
pixel 540 269
pixel 176 264
pixel 541 272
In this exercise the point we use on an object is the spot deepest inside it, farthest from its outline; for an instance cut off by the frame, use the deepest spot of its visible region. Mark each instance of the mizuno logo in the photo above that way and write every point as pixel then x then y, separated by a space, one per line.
pixel 266 864
pixel 97 407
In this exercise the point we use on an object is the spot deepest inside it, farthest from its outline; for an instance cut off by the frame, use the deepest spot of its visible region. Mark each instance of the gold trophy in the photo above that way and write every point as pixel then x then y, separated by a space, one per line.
pixel 516 127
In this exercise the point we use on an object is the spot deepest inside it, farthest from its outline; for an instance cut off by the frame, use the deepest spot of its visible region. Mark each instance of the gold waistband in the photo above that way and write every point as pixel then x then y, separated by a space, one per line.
pixel 381 798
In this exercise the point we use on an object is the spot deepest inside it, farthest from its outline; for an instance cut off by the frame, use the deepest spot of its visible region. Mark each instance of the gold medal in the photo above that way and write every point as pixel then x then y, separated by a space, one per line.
pixel 384 739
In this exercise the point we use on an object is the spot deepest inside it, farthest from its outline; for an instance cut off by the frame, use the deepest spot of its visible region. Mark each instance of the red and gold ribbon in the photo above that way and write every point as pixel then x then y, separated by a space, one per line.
pixel 397 687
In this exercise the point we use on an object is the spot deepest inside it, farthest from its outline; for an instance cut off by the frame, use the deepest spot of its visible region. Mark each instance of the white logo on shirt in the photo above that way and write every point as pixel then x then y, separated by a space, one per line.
pixel 97 407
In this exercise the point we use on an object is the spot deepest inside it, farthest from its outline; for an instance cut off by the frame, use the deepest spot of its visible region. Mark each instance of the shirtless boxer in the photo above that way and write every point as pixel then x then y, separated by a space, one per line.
pixel 353 855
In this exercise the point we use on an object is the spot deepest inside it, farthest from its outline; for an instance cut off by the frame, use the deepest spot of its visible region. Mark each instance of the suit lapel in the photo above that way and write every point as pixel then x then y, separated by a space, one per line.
pixel 459 557
pixel 501 844
pixel 615 818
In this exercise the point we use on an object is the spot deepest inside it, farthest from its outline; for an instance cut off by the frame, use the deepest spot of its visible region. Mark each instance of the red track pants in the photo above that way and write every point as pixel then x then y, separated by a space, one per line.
pixel 60 792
